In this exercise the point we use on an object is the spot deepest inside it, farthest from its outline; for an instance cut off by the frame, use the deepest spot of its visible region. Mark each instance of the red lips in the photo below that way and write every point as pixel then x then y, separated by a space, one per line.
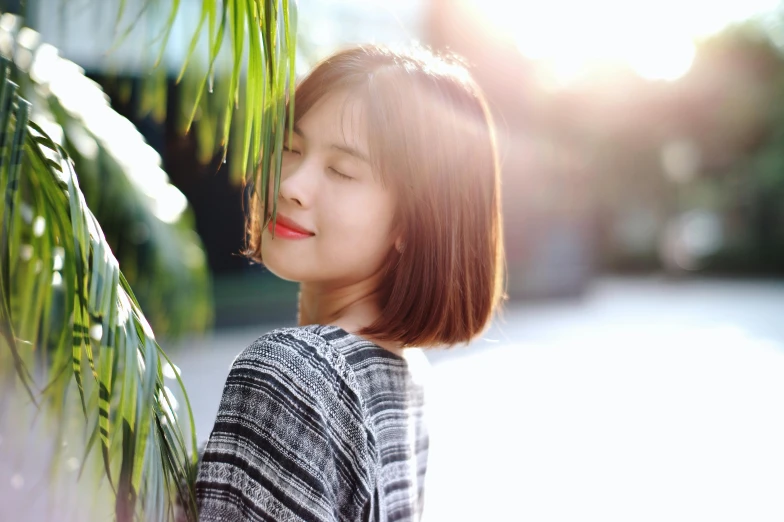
pixel 286 228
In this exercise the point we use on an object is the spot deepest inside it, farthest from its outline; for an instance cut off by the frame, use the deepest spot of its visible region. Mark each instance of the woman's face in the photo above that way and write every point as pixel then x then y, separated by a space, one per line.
pixel 335 219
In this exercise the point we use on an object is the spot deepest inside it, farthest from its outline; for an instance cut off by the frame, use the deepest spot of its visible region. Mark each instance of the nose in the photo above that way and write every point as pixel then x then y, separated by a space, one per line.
pixel 297 185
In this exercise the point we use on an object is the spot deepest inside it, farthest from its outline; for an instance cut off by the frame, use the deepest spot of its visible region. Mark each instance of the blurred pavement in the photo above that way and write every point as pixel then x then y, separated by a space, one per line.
pixel 647 399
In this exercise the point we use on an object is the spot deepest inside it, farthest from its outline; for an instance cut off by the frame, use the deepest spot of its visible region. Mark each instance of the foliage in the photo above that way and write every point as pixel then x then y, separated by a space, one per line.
pixel 67 313
pixel 244 102
pixel 149 225
pixel 64 294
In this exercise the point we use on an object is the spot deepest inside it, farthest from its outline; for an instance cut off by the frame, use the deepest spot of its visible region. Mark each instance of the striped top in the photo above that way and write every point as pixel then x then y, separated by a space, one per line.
pixel 317 424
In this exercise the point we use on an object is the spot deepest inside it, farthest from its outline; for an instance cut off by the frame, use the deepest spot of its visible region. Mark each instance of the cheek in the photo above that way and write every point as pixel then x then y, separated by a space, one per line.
pixel 363 224
pixel 354 238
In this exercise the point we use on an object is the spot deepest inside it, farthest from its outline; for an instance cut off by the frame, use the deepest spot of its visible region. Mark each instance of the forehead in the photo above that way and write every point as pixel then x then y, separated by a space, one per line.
pixel 338 117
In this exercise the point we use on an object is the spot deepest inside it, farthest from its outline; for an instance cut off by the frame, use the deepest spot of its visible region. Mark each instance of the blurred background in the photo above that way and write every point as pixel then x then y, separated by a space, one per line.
pixel 637 372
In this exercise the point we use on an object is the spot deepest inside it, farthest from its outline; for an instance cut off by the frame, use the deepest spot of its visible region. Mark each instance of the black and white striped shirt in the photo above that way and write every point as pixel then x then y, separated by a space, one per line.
pixel 317 424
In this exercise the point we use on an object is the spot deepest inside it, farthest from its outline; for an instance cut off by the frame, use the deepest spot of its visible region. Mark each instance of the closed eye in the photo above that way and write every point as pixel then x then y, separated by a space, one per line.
pixel 340 174
pixel 292 151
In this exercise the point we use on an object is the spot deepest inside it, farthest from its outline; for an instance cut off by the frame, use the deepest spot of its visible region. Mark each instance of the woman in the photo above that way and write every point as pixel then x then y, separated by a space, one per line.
pixel 388 216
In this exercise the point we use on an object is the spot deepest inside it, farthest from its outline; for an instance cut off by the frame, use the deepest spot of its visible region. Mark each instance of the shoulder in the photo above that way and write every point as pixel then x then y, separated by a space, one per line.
pixel 289 437
pixel 302 356
pixel 296 340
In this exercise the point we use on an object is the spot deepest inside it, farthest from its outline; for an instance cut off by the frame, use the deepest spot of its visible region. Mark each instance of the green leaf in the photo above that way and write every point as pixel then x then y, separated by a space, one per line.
pixel 168 29
pixel 237 16
pixel 93 286
pixel 131 26
pixel 10 161
pixel 215 48
pixel 205 13
pixel 125 401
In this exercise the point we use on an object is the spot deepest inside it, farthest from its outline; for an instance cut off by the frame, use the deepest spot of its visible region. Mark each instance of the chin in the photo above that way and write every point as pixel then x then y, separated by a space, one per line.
pixel 286 276
pixel 284 265
pixel 279 267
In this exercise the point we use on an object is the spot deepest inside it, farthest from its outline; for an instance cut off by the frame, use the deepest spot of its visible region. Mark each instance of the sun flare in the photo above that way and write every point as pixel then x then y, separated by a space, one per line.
pixel 657 41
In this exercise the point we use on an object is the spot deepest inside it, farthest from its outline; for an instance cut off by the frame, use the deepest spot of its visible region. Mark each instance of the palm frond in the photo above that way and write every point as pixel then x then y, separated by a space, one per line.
pixel 55 253
pixel 68 316
pixel 258 38
pixel 150 225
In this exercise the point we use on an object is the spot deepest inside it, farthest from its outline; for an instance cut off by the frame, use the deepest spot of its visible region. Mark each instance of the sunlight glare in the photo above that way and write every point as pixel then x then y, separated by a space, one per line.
pixel 667 60
pixel 571 38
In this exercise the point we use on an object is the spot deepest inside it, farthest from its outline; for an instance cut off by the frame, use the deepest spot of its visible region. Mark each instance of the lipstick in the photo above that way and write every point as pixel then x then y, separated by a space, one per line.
pixel 286 228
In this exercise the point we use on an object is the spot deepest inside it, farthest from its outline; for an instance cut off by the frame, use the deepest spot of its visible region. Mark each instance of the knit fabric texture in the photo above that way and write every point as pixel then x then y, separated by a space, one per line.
pixel 317 424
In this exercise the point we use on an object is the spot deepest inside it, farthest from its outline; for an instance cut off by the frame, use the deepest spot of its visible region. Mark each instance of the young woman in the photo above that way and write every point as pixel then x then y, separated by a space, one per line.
pixel 388 216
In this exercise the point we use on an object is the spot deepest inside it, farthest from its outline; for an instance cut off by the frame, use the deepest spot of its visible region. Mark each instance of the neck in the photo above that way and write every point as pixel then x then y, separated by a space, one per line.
pixel 351 306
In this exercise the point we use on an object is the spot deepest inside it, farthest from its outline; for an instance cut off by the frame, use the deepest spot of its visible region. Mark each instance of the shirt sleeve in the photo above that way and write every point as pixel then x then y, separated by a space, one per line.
pixel 289 442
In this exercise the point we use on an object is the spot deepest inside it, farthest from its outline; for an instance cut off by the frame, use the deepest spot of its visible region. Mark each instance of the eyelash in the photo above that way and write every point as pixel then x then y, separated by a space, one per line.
pixel 340 174
pixel 336 172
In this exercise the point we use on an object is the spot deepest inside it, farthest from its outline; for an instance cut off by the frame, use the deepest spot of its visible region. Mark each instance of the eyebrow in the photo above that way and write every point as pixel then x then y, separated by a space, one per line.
pixel 342 148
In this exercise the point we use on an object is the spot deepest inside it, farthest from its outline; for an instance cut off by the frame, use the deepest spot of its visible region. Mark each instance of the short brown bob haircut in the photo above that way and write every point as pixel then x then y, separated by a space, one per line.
pixel 431 140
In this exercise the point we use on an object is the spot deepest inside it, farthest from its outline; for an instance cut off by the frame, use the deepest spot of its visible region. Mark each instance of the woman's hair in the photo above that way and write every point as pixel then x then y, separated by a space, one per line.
pixel 431 140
